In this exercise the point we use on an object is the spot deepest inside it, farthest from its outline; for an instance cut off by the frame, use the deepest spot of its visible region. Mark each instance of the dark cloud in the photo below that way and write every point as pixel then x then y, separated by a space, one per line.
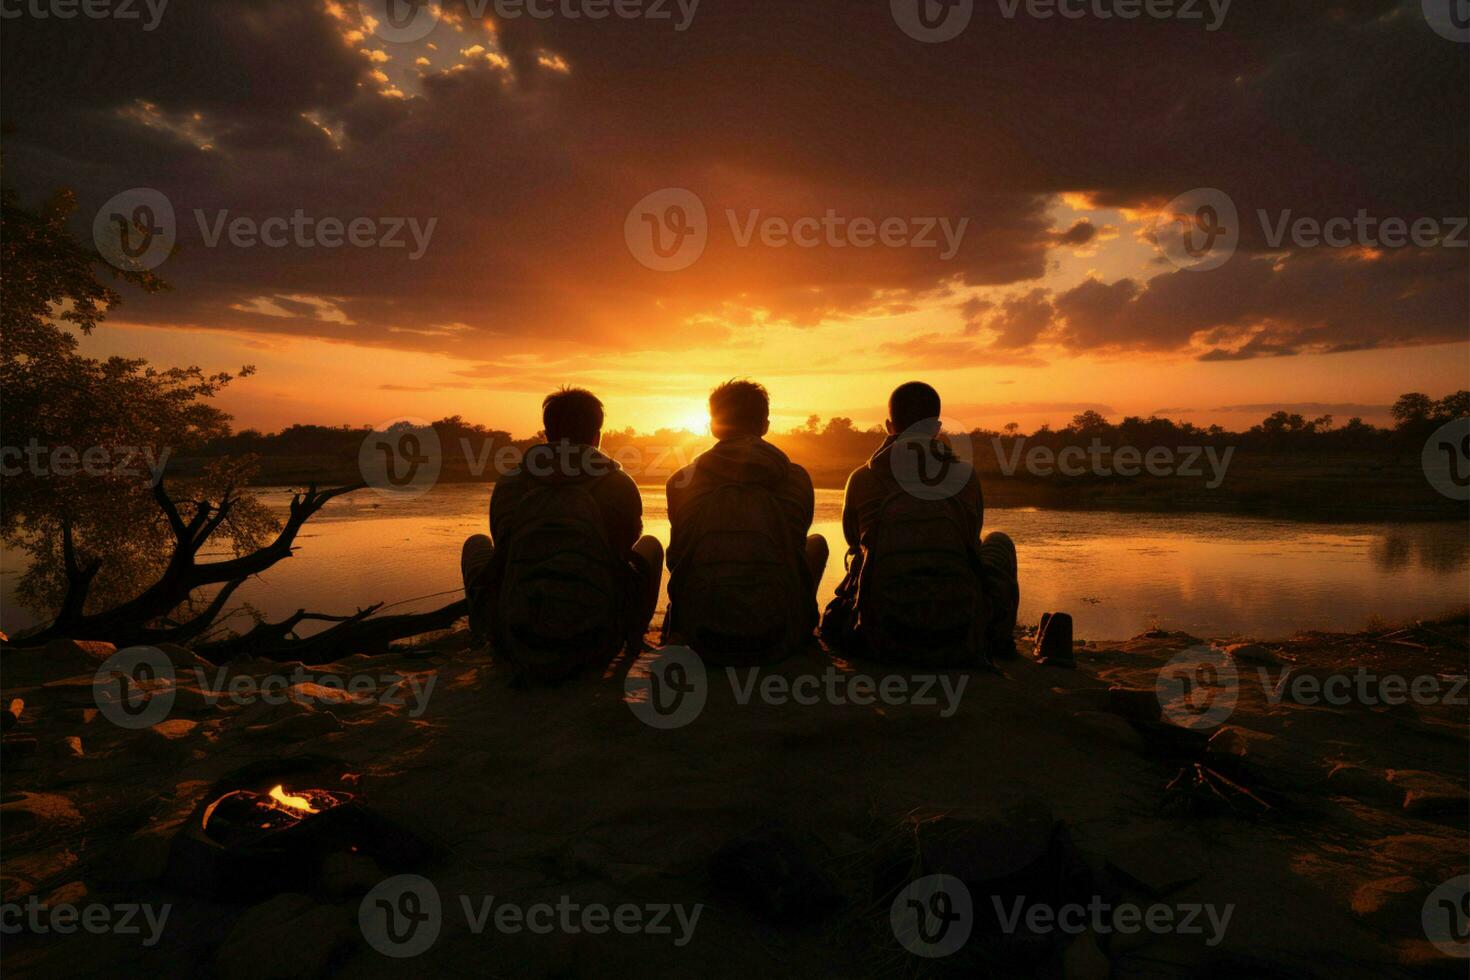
pixel 788 109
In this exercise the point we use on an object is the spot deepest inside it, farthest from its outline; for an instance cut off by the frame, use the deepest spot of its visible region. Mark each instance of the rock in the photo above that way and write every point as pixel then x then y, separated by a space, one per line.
pixel 71 747
pixel 1420 803
pixel 1082 698
pixel 1135 704
pixel 1363 784
pixel 24 873
pixel 288 937
pixel 1227 743
pixel 1429 794
pixel 184 659
pixel 141 857
pixel 1252 653
pixel 1159 863
pixel 345 875
pixel 59 658
pixel 1083 960
pixel 316 695
pixel 45 812
pixel 1054 641
pixel 15 748
pixel 296 728
pixel 771 873
pixel 1394 903
pixel 10 717
pixel 1109 728
pixel 165 741
pixel 71 893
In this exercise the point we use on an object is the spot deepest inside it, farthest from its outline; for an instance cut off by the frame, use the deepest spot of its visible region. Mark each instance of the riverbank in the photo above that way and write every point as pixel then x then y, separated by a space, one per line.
pixel 1320 487
pixel 1323 829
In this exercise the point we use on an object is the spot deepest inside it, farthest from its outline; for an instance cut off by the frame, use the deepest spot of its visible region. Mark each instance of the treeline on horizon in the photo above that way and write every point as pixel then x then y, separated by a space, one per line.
pixel 1415 416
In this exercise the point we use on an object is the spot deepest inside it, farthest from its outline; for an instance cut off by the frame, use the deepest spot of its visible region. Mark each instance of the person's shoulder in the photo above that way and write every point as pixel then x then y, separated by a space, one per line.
pixel 797 474
pixel 680 478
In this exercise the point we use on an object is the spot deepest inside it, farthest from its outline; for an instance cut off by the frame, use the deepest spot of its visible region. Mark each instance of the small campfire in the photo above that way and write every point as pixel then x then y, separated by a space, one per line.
pixel 243 815
pixel 257 836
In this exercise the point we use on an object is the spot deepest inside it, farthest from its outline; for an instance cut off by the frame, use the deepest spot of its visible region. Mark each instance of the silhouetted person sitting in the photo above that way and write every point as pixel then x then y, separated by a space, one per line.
pixel 922 587
pixel 564 580
pixel 743 572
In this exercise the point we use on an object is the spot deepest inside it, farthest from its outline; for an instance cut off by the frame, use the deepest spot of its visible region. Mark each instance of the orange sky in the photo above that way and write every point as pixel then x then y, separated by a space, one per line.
pixel 1049 147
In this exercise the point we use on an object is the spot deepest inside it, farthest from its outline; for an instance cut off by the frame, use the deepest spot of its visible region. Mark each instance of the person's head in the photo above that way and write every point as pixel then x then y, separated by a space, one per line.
pixel 573 414
pixel 739 408
pixel 912 405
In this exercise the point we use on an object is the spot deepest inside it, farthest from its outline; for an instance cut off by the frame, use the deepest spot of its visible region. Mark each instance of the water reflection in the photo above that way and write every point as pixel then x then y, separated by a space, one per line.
pixel 1118 574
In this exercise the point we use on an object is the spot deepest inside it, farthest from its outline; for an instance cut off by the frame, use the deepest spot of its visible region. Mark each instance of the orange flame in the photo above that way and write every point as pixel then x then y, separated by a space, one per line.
pixel 285 799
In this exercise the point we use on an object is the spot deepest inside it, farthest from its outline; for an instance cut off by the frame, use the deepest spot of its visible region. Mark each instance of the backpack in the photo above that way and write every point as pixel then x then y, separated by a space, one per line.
pixel 560 596
pixel 740 599
pixel 919 598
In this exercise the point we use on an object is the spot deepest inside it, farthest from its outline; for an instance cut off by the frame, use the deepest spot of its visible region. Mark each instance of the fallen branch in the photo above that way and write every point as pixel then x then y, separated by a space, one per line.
pixel 357 633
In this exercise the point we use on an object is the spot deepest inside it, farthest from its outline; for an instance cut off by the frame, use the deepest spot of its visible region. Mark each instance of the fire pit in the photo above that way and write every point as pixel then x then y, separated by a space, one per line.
pixel 243 817
pixel 253 837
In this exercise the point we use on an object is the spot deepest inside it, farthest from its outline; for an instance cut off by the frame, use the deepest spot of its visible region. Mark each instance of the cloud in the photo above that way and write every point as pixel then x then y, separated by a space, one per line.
pixel 530 169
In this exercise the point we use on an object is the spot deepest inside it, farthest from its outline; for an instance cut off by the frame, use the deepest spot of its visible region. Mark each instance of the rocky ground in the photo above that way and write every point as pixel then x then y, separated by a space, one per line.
pixel 1323 829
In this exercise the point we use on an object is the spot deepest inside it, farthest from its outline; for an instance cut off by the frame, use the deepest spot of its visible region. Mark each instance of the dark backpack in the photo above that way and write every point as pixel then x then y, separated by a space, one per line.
pixel 739 599
pixel 561 592
pixel 919 598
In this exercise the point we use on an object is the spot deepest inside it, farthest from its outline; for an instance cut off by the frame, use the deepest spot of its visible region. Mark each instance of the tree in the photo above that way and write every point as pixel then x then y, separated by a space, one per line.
pixel 1456 406
pixel 1412 410
pixel 86 447
pixel 84 438
pixel 1089 423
